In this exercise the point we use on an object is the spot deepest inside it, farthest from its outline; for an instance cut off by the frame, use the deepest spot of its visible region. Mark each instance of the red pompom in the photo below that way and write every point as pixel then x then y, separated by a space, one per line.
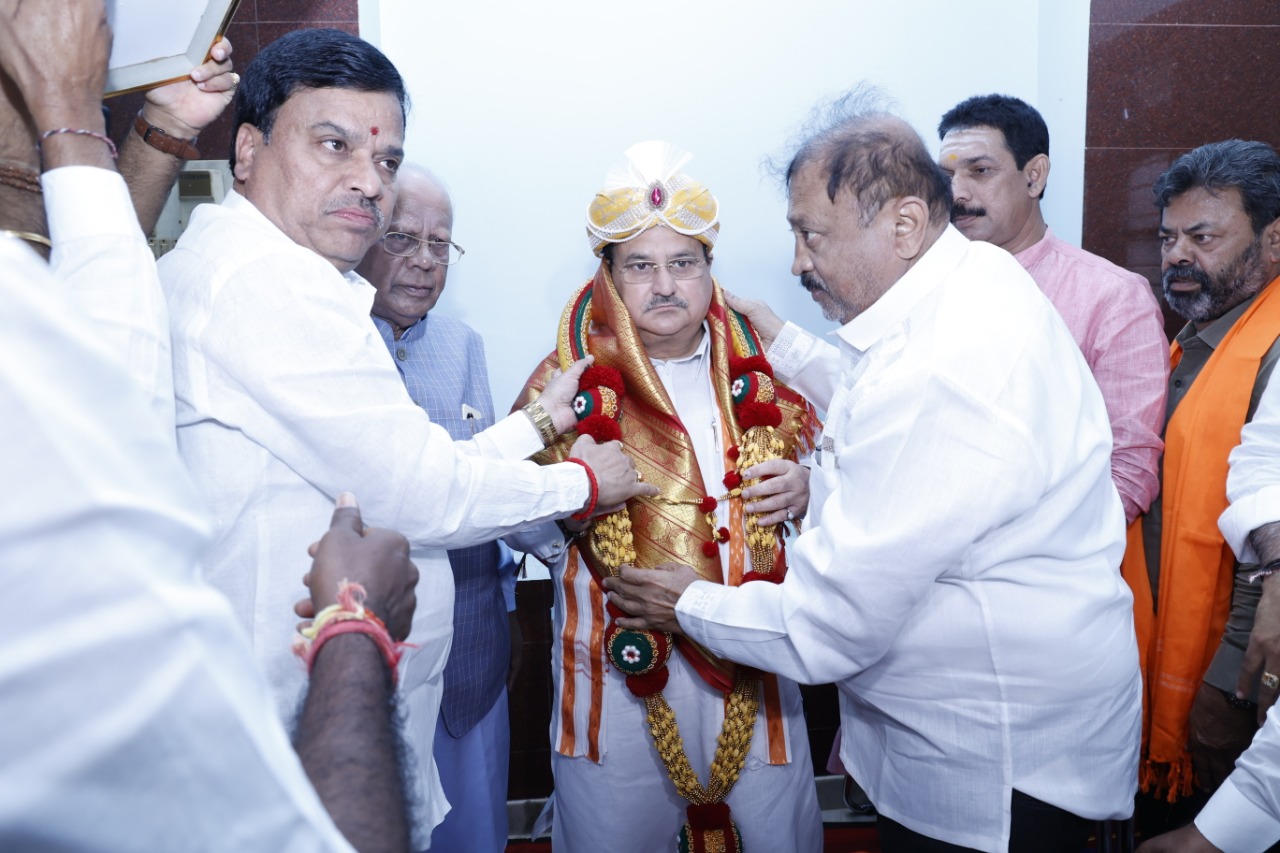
pixel 708 504
pixel 722 535
pixel 710 549
pixel 733 453
pixel 600 427
pixel 649 683
pixel 739 366
pixel 753 414
pixel 732 480
pixel 598 374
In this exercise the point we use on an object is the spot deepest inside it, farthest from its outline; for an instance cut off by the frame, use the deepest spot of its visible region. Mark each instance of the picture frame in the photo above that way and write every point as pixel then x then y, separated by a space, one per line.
pixel 160 41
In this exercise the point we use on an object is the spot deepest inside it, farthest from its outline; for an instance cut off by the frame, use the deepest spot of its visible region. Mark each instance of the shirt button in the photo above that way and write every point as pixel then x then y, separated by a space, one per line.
pixel 402 353
pixel 1177 383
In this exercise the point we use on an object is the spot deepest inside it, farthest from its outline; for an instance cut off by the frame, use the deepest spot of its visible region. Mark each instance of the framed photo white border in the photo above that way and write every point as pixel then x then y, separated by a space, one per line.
pixel 167 69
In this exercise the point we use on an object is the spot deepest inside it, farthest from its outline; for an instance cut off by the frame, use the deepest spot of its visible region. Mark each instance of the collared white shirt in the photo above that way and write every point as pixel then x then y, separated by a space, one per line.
pixel 958 573
pixel 133 715
pixel 286 397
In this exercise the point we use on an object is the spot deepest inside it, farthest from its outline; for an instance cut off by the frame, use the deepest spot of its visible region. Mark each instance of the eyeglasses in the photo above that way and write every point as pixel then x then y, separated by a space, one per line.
pixel 643 272
pixel 404 245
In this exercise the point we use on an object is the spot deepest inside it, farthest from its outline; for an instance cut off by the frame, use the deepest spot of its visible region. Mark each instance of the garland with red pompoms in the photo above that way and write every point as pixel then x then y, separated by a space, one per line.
pixel 595 322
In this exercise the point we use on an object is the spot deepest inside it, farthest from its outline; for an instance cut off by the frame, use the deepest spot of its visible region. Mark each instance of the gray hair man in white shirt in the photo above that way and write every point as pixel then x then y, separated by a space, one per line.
pixel 957 575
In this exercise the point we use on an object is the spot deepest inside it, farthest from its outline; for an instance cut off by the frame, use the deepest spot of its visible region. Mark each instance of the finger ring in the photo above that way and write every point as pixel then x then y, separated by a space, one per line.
pixel 790 515
pixel 639 477
pixel 1270 680
pixel 235 80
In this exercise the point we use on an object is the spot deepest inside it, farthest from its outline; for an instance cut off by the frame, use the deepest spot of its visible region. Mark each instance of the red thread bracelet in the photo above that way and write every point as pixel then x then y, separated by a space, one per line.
pixel 391 651
pixel 585 513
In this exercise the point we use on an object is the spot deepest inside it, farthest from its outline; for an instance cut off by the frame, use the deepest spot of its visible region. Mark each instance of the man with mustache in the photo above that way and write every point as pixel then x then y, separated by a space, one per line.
pixel 677 383
pixel 286 396
pixel 1220 253
pixel 957 571
pixel 995 149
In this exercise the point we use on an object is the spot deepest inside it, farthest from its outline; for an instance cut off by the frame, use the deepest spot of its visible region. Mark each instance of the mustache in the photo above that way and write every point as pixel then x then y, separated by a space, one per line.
pixel 958 210
pixel 1191 273
pixel 810 282
pixel 367 204
pixel 661 301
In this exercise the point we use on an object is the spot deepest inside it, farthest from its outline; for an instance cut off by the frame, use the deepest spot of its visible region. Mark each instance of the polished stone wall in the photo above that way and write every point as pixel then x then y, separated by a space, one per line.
pixel 1166 76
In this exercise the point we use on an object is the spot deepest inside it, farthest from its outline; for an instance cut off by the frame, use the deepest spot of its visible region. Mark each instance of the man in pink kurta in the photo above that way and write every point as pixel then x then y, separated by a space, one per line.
pixel 995 148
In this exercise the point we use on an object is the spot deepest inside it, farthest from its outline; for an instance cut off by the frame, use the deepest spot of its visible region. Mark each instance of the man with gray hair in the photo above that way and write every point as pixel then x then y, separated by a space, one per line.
pixel 442 363
pixel 957 572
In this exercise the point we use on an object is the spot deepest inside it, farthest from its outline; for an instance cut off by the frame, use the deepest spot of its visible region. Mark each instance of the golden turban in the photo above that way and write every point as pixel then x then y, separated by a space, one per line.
pixel 651 190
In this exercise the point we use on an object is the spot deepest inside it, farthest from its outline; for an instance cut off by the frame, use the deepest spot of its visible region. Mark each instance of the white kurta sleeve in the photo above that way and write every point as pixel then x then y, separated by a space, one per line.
pixel 1253 484
pixel 1244 814
pixel 102 261
pixel 905 498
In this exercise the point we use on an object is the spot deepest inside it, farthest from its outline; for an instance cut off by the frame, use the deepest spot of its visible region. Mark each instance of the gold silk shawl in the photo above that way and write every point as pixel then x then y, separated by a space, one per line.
pixel 671 528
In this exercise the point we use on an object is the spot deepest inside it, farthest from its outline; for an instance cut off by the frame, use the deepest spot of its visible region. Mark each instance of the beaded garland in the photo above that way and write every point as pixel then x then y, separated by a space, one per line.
pixel 641 656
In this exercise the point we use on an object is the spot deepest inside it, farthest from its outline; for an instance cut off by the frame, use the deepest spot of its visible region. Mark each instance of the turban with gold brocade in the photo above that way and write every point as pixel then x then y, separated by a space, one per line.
pixel 650 190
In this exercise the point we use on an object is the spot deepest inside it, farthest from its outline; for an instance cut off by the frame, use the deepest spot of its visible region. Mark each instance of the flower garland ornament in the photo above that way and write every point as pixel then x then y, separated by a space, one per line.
pixel 642 656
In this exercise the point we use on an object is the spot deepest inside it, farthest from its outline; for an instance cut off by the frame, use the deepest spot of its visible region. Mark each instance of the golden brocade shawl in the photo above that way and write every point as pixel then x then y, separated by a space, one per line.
pixel 595 321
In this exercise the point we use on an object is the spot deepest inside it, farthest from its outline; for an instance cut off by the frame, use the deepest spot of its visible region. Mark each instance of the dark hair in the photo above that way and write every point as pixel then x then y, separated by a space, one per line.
pixel 1023 128
pixel 872 154
pixel 312 59
pixel 1021 124
pixel 1253 168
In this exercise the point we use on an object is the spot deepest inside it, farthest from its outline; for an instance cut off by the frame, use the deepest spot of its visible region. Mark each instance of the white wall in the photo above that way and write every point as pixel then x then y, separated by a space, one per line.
pixel 523 107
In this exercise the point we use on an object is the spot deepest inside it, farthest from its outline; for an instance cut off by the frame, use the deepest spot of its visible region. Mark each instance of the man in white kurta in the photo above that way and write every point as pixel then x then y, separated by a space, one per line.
pixel 286 395
pixel 957 575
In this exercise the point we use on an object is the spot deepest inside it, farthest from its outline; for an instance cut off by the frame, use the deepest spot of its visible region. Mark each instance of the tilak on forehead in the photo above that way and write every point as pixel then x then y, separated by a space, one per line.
pixel 649 190
pixel 374 130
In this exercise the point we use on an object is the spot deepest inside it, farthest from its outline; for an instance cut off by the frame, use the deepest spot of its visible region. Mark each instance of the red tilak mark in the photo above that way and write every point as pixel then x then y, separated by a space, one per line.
pixel 374 131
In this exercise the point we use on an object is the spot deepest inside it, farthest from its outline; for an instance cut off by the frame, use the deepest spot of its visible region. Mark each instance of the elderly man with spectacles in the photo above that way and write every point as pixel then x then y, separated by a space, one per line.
pixel 442 363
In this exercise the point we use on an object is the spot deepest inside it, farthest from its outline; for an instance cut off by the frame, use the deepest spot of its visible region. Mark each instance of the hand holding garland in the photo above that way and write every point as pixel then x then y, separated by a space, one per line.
pixel 649 596
pixel 782 495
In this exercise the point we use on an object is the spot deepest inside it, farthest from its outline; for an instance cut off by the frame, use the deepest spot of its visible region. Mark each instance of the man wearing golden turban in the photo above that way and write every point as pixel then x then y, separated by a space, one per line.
pixel 640 719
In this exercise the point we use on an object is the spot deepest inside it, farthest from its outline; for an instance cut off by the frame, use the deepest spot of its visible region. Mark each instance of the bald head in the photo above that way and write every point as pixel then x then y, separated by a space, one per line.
pixel 408 287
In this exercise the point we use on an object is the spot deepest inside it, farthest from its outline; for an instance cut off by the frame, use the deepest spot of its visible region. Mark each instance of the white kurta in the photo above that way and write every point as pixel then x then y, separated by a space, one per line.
pixel 134 717
pixel 958 573
pixel 287 396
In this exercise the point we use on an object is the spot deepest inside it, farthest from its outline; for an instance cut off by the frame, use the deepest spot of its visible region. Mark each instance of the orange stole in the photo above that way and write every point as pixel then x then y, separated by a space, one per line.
pixel 671 530
pixel 1177 642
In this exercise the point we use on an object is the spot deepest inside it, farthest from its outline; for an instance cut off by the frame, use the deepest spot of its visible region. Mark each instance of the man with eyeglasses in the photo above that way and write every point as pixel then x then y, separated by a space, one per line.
pixel 639 723
pixel 442 363
pixel 286 397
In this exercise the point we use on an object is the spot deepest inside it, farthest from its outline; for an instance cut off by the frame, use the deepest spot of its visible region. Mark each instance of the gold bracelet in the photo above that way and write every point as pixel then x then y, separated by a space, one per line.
pixel 32 238
pixel 541 422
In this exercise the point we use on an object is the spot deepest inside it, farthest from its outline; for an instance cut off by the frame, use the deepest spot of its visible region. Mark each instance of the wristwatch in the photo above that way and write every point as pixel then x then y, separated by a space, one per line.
pixel 161 141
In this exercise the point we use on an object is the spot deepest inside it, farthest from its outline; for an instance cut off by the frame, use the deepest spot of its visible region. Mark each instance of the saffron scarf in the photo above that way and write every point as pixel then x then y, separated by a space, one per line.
pixel 1177 642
